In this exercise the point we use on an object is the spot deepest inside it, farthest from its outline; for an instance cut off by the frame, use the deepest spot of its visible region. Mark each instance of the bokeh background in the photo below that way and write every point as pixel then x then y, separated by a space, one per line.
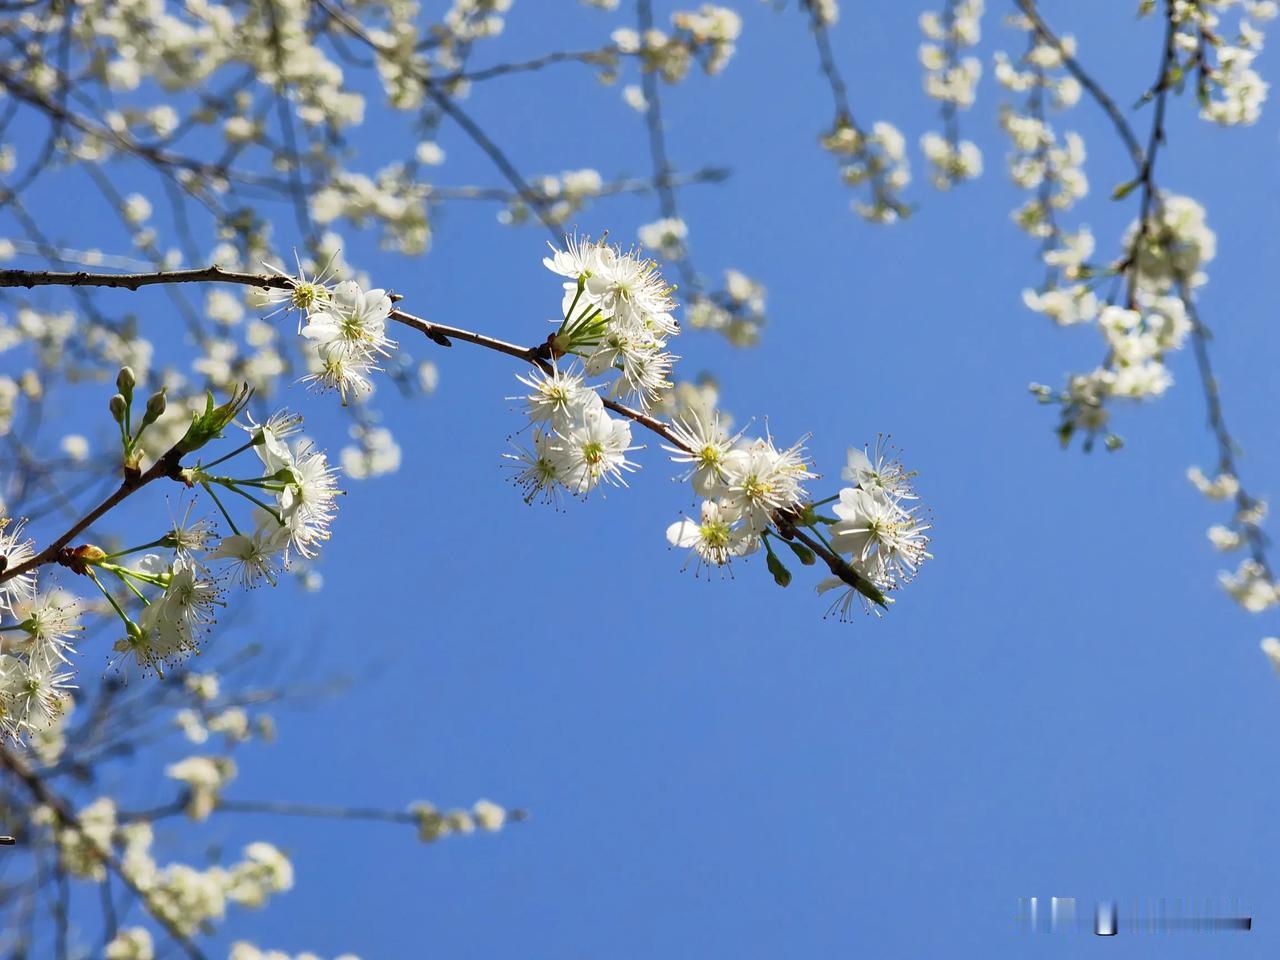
pixel 1063 704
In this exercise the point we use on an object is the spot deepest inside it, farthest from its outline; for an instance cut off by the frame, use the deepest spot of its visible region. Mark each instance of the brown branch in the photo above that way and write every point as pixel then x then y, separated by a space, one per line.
pixel 609 189
pixel 603 56
pixel 166 466
pixel 539 356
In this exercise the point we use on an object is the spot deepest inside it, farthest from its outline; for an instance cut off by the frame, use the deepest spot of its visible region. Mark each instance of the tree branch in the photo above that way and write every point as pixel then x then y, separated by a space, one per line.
pixel 441 334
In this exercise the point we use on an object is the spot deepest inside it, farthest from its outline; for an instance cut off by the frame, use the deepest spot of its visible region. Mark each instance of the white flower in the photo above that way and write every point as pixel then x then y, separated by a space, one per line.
pixel 75 446
pixel 190 602
pixel 710 445
pixel 879 472
pixel 172 625
pixel 843 604
pixel 667 236
pixel 579 258
pixel 136 208
pixel 558 398
pixel 131 943
pixel 349 329
pixel 265 870
pixel 541 470
pixel 205 777
pixel 253 557
pixel 308 504
pixel 205 686
pixel 645 376
pixel 375 454
pixel 191 725
pixel 760 480
pixel 623 284
pixel 488 815
pixel 1176 244
pixel 33 693
pixel 1224 538
pixel 269 439
pixel 1271 647
pixel 351 323
pixel 1250 587
pixel 888 544
pixel 349 376
pixel 15 550
pixel 304 294
pixel 187 537
pixel 1222 487
pixel 594 450
pixel 50 620
pixel 717 538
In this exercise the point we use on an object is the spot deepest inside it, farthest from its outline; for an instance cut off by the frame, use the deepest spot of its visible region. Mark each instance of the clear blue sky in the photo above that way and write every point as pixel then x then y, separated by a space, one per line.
pixel 1063 704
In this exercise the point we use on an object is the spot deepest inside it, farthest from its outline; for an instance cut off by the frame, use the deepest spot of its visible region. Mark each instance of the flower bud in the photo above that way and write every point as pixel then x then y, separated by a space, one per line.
pixel 803 553
pixel 89 553
pixel 117 405
pixel 781 575
pixel 125 381
pixel 155 407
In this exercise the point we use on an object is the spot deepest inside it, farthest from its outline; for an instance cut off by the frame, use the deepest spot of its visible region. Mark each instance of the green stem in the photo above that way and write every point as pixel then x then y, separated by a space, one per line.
pixel 582 284
pixel 231 523
pixel 110 599
pixel 254 500
pixel 138 549
pixel 236 452
pixel 156 580
pixel 265 483
pixel 129 583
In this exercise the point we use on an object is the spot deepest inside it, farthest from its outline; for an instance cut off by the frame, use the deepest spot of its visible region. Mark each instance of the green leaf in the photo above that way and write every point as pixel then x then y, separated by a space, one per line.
pixel 1122 191
pixel 209 425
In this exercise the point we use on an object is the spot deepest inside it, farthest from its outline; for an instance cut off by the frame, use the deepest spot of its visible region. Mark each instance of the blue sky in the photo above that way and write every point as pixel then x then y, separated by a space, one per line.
pixel 1063 704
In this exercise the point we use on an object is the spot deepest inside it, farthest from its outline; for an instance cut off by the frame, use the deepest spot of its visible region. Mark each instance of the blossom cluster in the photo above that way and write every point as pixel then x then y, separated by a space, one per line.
pixel 877 159
pixel 665 236
pixel 737 310
pixel 616 316
pixel 347 326
pixel 952 79
pixel 707 36
pixel 185 897
pixel 1164 263
pixel 167 592
pixel 103 840
pixel 1252 585
pixel 753 491
pixel 557 198
pixel 393 198
pixel 1229 89
pixel 37 644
